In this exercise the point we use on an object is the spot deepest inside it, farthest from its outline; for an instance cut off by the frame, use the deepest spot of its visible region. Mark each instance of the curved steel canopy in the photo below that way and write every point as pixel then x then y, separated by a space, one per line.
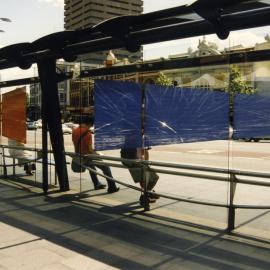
pixel 200 18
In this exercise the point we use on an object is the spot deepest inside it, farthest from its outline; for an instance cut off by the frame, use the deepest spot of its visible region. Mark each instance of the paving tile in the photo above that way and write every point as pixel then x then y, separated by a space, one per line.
pixel 58 249
pixel 118 255
pixel 29 260
pixel 11 236
pixel 21 247
pixel 81 262
pixel 56 266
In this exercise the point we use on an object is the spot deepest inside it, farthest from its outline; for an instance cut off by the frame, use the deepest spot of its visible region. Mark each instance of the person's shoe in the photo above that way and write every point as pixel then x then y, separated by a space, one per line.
pixel 113 190
pixel 100 186
pixel 28 171
pixel 153 195
pixel 144 202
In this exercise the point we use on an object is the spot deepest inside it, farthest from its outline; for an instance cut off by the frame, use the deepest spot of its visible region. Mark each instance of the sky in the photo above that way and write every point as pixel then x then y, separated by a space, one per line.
pixel 32 19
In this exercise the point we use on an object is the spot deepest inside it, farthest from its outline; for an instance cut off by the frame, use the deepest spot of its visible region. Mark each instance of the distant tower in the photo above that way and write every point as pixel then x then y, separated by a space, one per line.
pixel 80 14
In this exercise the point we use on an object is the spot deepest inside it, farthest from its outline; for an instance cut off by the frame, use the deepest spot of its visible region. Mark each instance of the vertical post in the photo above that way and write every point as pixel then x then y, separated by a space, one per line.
pixel 145 191
pixel 52 117
pixel 44 117
pixel 13 166
pixel 231 212
pixel 55 176
pixel 144 168
pixel 231 208
pixel 4 163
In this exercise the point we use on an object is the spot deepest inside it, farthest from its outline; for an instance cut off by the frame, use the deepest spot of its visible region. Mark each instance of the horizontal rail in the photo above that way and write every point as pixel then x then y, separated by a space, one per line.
pixel 160 194
pixel 98 160
pixel 186 167
pixel 192 175
pixel 223 59
pixel 207 169
pixel 186 200
pixel 257 207
pixel 34 80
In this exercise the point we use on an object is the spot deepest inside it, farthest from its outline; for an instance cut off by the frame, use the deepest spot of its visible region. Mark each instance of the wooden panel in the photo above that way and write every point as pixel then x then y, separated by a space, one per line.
pixel 14 114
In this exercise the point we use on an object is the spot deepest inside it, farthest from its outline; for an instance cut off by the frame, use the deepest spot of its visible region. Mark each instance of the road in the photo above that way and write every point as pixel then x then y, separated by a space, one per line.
pixel 233 154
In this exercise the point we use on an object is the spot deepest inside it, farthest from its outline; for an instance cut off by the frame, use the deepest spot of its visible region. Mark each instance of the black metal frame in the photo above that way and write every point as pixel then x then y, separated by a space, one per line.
pixel 33 80
pixel 223 59
pixel 143 29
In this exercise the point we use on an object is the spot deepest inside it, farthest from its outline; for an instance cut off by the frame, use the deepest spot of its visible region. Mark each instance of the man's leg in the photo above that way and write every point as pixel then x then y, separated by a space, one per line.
pixel 97 184
pixel 111 184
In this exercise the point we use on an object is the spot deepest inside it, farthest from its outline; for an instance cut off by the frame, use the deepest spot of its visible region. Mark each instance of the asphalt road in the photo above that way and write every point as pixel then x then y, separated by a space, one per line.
pixel 233 154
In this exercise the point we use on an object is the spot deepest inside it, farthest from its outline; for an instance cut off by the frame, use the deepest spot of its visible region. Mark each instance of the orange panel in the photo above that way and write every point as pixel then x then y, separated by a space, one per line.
pixel 14 115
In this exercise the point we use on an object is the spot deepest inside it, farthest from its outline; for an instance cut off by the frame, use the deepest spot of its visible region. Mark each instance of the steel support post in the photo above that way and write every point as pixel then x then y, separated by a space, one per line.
pixel 146 203
pixel 231 212
pixel 44 117
pixel 52 118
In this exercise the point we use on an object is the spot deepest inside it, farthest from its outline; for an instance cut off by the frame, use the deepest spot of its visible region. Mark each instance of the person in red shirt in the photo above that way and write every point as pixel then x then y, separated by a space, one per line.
pixel 85 148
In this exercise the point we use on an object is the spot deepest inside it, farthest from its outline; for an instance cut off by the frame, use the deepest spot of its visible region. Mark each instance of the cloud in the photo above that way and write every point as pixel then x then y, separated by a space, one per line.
pixel 56 3
pixel 153 5
pixel 247 38
pixel 16 73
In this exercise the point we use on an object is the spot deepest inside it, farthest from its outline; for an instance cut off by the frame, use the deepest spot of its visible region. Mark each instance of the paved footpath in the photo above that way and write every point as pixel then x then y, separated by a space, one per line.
pixel 94 230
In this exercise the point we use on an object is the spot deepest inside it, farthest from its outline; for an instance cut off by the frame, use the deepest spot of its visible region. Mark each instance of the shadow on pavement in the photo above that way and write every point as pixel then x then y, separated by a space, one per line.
pixel 123 237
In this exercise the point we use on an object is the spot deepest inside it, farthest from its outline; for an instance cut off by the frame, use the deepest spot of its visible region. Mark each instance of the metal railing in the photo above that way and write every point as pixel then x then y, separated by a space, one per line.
pixel 195 172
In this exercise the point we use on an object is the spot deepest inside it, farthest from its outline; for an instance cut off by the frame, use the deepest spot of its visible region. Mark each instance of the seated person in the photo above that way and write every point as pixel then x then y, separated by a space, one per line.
pixel 82 140
pixel 137 171
pixel 24 157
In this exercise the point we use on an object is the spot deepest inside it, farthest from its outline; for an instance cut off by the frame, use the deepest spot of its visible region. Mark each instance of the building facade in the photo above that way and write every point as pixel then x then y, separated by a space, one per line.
pixel 76 95
pixel 81 14
pixel 257 75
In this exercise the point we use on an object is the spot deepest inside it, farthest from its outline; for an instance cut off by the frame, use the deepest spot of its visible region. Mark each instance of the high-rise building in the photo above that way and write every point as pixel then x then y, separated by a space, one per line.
pixel 81 14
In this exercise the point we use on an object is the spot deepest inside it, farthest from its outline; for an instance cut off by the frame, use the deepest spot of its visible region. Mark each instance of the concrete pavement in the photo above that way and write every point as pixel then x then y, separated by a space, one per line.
pixel 94 230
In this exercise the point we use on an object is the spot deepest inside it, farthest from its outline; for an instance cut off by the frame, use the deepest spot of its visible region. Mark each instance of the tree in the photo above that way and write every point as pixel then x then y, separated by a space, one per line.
pixel 164 80
pixel 237 85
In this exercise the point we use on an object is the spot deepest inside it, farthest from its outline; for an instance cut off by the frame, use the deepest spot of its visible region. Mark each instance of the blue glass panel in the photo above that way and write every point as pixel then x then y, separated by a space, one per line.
pixel 117 114
pixel 251 116
pixel 178 115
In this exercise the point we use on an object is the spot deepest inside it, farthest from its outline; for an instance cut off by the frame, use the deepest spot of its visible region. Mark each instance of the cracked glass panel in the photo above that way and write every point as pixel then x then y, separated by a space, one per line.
pixel 251 116
pixel 117 115
pixel 178 115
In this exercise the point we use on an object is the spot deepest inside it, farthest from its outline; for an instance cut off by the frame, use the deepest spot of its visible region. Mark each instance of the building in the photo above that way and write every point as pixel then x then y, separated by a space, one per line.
pixel 76 95
pixel 81 14
pixel 63 88
pixel 216 76
pixel 204 77
pixel 66 90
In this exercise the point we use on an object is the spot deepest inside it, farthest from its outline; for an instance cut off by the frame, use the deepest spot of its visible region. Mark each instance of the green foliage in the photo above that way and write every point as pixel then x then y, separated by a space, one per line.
pixel 164 80
pixel 237 85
